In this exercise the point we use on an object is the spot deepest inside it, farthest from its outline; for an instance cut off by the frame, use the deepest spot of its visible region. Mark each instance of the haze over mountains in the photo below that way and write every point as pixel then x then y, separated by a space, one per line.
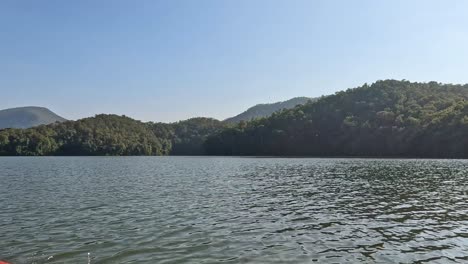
pixel 265 110
pixel 26 117
pixel 31 116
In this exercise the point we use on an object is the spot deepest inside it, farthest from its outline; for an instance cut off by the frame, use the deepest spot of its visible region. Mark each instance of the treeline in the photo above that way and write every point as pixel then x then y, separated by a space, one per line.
pixel 387 118
pixel 110 135
pixel 188 137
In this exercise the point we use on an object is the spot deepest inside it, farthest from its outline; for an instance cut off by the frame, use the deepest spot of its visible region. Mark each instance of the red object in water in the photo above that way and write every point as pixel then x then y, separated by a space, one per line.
pixel 4 262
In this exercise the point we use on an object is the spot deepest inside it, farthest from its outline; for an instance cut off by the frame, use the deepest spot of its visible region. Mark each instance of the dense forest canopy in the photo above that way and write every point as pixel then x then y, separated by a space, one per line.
pixel 387 118
pixel 188 137
pixel 110 135
pixel 100 135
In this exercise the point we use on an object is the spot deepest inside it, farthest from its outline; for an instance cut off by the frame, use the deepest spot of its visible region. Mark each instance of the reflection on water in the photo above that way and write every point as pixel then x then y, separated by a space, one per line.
pixel 232 210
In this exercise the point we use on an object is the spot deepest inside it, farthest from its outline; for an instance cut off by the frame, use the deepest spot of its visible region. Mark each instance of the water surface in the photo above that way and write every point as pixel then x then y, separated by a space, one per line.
pixel 232 210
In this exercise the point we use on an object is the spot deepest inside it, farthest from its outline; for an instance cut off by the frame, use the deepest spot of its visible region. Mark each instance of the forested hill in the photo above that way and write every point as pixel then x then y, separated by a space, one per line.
pixel 29 116
pixel 387 118
pixel 110 135
pixel 265 110
pixel 188 137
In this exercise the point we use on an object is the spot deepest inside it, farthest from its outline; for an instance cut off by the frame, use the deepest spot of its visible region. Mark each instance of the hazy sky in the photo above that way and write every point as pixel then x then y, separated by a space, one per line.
pixel 170 60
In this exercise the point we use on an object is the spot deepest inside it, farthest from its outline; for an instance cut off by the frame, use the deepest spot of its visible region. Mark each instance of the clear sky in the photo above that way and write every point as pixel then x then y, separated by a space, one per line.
pixel 167 60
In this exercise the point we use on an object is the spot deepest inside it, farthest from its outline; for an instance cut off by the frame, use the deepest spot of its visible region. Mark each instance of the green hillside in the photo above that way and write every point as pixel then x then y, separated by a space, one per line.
pixel 387 118
pixel 110 135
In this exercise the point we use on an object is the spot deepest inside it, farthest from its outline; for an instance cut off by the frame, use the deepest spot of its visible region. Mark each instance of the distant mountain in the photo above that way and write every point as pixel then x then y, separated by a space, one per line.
pixel 25 117
pixel 388 118
pixel 265 110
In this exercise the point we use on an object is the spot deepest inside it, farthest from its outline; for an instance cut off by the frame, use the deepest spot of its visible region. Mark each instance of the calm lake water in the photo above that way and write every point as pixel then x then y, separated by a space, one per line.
pixel 232 210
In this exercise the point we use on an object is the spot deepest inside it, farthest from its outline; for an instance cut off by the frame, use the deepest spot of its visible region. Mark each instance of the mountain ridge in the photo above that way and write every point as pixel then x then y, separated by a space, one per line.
pixel 267 109
pixel 27 116
pixel 388 118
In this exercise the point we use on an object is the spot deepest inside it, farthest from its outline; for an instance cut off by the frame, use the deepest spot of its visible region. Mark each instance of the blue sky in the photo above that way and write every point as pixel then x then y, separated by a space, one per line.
pixel 169 60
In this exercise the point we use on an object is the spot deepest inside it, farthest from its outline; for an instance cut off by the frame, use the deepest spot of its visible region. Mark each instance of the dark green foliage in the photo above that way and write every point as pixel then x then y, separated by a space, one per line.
pixel 388 118
pixel 110 135
pixel 190 135
pixel 187 137
pixel 99 135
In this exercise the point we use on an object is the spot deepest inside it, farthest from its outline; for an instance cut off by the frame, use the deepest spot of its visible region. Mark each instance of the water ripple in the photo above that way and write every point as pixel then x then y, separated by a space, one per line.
pixel 233 210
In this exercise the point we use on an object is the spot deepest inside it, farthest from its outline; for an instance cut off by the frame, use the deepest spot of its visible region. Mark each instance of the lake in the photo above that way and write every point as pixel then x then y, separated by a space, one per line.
pixel 232 210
